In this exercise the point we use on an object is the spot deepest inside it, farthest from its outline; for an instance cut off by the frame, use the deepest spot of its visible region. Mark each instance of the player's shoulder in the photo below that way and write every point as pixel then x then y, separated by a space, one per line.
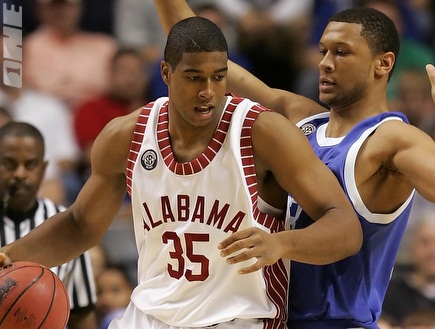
pixel 393 127
pixel 121 127
pixel 111 147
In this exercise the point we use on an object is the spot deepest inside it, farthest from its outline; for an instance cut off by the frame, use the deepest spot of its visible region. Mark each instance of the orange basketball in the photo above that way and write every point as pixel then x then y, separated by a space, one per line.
pixel 31 297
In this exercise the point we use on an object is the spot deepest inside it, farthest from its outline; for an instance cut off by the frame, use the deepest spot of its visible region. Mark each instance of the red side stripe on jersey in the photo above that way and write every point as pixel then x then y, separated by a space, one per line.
pixel 275 276
pixel 136 142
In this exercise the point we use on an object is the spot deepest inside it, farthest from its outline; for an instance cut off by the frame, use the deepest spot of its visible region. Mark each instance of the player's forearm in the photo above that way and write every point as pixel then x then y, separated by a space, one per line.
pixel 172 11
pixel 55 242
pixel 331 238
pixel 243 83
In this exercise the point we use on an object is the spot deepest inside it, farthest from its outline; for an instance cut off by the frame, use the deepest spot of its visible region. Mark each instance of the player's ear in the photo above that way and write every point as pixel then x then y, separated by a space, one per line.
pixel 385 63
pixel 165 71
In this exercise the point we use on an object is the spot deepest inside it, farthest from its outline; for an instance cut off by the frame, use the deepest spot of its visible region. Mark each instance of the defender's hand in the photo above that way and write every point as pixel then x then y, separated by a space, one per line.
pixel 430 70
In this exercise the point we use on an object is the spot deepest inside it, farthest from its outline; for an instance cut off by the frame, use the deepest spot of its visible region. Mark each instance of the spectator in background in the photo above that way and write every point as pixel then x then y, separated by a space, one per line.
pixel 98 16
pixel 413 53
pixel 99 259
pixel 415 290
pixel 385 322
pixel 113 290
pixel 422 319
pixel 424 16
pixel 62 59
pixel 22 168
pixel 414 99
pixel 137 26
pixel 53 119
pixel 5 116
pixel 127 91
pixel 270 38
pixel 248 12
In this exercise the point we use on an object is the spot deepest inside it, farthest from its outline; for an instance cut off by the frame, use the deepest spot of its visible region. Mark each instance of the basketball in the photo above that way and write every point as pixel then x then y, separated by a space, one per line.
pixel 32 296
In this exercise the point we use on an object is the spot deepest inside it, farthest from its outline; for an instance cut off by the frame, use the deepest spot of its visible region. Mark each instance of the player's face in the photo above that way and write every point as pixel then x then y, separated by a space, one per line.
pixel 197 88
pixel 21 170
pixel 346 68
pixel 113 291
pixel 129 78
pixel 423 249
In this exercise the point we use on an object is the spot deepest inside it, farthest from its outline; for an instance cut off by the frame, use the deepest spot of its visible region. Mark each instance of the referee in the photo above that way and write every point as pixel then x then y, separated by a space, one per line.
pixel 22 168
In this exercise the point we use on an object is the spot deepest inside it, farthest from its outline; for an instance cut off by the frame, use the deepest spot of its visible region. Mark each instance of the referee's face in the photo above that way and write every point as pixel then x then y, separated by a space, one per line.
pixel 22 169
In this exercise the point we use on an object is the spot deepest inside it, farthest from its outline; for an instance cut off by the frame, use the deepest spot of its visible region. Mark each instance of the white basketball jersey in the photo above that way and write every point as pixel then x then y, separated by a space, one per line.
pixel 183 210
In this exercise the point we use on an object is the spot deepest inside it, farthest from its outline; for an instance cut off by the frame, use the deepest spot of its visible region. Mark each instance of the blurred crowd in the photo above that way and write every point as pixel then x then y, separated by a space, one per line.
pixel 85 62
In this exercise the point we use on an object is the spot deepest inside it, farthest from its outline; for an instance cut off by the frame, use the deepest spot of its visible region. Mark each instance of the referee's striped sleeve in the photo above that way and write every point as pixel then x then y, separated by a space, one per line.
pixel 77 274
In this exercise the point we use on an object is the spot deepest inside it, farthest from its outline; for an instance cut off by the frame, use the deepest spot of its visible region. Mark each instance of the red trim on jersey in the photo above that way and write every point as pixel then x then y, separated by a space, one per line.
pixel 275 275
pixel 136 142
pixel 202 161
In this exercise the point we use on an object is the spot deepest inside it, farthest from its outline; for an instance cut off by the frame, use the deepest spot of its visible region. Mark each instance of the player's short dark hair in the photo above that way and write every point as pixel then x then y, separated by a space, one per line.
pixel 377 28
pixel 193 35
pixel 21 129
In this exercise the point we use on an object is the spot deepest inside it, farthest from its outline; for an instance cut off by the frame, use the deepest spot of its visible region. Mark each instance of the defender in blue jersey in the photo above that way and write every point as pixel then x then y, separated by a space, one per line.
pixel 378 158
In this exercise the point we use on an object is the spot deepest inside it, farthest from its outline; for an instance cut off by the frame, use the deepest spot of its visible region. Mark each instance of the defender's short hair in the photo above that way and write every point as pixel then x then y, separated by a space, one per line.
pixel 377 28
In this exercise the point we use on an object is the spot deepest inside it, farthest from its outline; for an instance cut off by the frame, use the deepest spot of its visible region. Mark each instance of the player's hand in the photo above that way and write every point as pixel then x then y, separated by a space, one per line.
pixel 250 243
pixel 430 69
pixel 4 260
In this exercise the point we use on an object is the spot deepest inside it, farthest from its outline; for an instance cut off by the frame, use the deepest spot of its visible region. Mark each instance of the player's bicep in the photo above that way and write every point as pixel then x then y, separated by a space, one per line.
pixel 289 156
pixel 414 158
pixel 102 194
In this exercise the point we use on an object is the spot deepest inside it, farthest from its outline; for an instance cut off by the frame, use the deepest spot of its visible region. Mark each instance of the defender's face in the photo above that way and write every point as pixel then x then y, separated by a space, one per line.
pixel 347 65
pixel 197 87
pixel 22 169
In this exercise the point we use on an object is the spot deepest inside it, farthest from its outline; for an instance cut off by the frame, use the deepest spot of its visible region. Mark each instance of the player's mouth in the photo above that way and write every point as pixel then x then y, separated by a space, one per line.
pixel 325 84
pixel 204 109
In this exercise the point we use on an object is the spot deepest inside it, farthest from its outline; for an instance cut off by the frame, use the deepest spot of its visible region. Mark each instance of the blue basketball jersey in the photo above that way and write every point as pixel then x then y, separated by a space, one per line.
pixel 348 293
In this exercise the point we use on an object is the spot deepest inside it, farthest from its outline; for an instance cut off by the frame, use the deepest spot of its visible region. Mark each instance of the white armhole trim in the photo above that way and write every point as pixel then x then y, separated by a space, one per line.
pixel 352 190
pixel 263 206
pixel 313 117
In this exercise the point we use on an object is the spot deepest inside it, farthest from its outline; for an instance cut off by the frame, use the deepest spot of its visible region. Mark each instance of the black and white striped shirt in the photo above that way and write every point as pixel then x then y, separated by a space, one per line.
pixel 77 274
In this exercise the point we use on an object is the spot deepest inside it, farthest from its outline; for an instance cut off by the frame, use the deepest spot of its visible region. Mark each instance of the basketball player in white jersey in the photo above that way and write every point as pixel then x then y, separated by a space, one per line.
pixel 22 168
pixel 200 165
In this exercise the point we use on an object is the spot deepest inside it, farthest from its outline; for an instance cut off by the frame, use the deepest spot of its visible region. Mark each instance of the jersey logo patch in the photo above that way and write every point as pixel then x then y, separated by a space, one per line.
pixel 149 159
pixel 308 129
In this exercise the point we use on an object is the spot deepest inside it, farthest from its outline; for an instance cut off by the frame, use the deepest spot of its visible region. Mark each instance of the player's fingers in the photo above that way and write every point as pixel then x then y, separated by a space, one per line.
pixel 241 257
pixel 235 242
pixel 430 69
pixel 243 234
pixel 253 268
pixel 4 260
pixel 236 247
